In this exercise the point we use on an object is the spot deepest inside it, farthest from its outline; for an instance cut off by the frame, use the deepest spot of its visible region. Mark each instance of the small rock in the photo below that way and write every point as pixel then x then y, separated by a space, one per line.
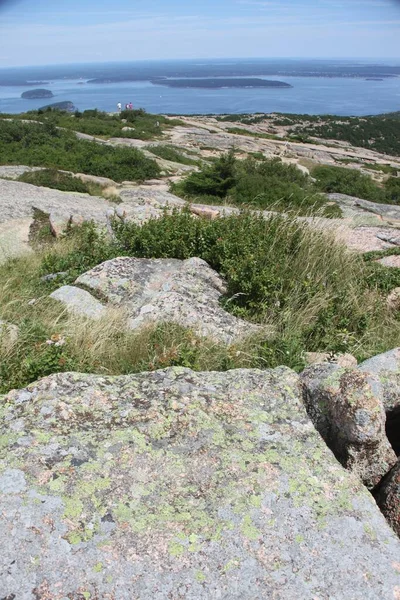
pixel 205 212
pixel 8 333
pixel 168 290
pixel 390 261
pixel 343 360
pixel 393 300
pixel 58 224
pixel 53 276
pixel 79 302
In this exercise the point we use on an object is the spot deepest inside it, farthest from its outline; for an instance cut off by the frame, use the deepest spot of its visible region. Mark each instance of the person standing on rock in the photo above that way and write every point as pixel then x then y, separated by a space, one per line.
pixel 130 106
pixel 119 107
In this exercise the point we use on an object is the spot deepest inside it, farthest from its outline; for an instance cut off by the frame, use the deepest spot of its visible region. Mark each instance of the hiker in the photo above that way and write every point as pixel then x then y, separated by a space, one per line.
pixel 119 106
pixel 126 106
pixel 130 106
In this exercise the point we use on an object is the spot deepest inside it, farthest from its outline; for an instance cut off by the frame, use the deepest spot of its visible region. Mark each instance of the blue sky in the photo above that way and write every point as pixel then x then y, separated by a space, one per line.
pixel 37 32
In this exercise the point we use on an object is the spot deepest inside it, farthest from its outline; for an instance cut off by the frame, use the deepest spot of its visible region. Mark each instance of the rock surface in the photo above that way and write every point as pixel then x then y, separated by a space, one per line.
pixel 386 367
pixel 346 407
pixel 390 261
pixel 177 484
pixel 79 301
pixel 388 498
pixel 163 290
pixel 351 205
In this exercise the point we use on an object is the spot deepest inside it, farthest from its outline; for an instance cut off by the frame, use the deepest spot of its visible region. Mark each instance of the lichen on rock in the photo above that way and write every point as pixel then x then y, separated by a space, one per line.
pixel 181 484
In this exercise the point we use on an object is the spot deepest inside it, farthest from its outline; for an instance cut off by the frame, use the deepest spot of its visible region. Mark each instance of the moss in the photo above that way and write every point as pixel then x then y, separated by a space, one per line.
pixel 200 577
pixel 98 567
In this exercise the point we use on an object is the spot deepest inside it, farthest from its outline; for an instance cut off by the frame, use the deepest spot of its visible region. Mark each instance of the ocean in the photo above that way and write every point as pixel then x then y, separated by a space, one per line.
pixel 320 87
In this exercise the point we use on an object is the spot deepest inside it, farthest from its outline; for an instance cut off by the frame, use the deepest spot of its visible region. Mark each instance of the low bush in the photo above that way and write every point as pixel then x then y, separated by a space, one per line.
pixel 347 181
pixel 269 184
pixel 354 183
pixel 47 146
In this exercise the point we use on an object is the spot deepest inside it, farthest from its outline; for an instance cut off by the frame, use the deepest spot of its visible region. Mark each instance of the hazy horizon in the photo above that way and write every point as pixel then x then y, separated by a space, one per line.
pixel 367 60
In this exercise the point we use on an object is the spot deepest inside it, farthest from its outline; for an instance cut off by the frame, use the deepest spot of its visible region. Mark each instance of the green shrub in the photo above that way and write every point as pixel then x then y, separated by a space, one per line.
pixel 213 180
pixel 347 181
pixel 392 190
pixel 47 146
pixel 269 184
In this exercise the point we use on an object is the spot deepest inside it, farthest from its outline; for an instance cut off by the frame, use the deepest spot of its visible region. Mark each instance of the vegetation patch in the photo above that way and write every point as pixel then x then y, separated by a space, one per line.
pixel 46 145
pixel 279 272
pixel 138 124
pixel 269 184
pixel 354 183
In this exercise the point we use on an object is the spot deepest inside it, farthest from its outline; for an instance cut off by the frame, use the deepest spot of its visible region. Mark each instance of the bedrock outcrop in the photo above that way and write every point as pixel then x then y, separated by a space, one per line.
pixel 176 484
pixel 153 291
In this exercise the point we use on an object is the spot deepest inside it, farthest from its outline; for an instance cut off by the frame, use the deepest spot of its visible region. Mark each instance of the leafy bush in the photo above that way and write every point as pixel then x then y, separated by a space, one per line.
pixel 354 183
pixel 392 190
pixel 347 181
pixel 380 133
pixel 213 180
pixel 45 145
pixel 266 184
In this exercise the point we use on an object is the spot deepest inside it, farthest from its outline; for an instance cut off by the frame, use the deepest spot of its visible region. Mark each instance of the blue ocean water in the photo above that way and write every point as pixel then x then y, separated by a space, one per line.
pixel 312 95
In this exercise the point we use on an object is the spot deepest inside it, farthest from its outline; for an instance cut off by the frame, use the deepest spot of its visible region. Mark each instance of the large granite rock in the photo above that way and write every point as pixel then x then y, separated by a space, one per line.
pixel 177 484
pixel 346 407
pixel 163 290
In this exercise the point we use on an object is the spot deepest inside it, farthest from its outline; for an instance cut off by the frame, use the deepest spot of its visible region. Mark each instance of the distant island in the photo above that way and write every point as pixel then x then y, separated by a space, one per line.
pixel 38 93
pixel 374 79
pixel 219 82
pixel 67 105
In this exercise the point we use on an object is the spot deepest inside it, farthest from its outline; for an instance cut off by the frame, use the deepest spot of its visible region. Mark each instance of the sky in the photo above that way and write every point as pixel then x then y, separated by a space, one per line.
pixel 41 32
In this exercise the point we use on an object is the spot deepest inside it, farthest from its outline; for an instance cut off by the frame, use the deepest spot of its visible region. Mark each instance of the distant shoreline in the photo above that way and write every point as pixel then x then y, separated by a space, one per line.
pixel 220 83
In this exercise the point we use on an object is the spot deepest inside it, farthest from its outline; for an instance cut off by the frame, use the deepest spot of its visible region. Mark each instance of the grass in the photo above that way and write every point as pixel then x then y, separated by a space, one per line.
pixel 279 272
pixel 265 136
